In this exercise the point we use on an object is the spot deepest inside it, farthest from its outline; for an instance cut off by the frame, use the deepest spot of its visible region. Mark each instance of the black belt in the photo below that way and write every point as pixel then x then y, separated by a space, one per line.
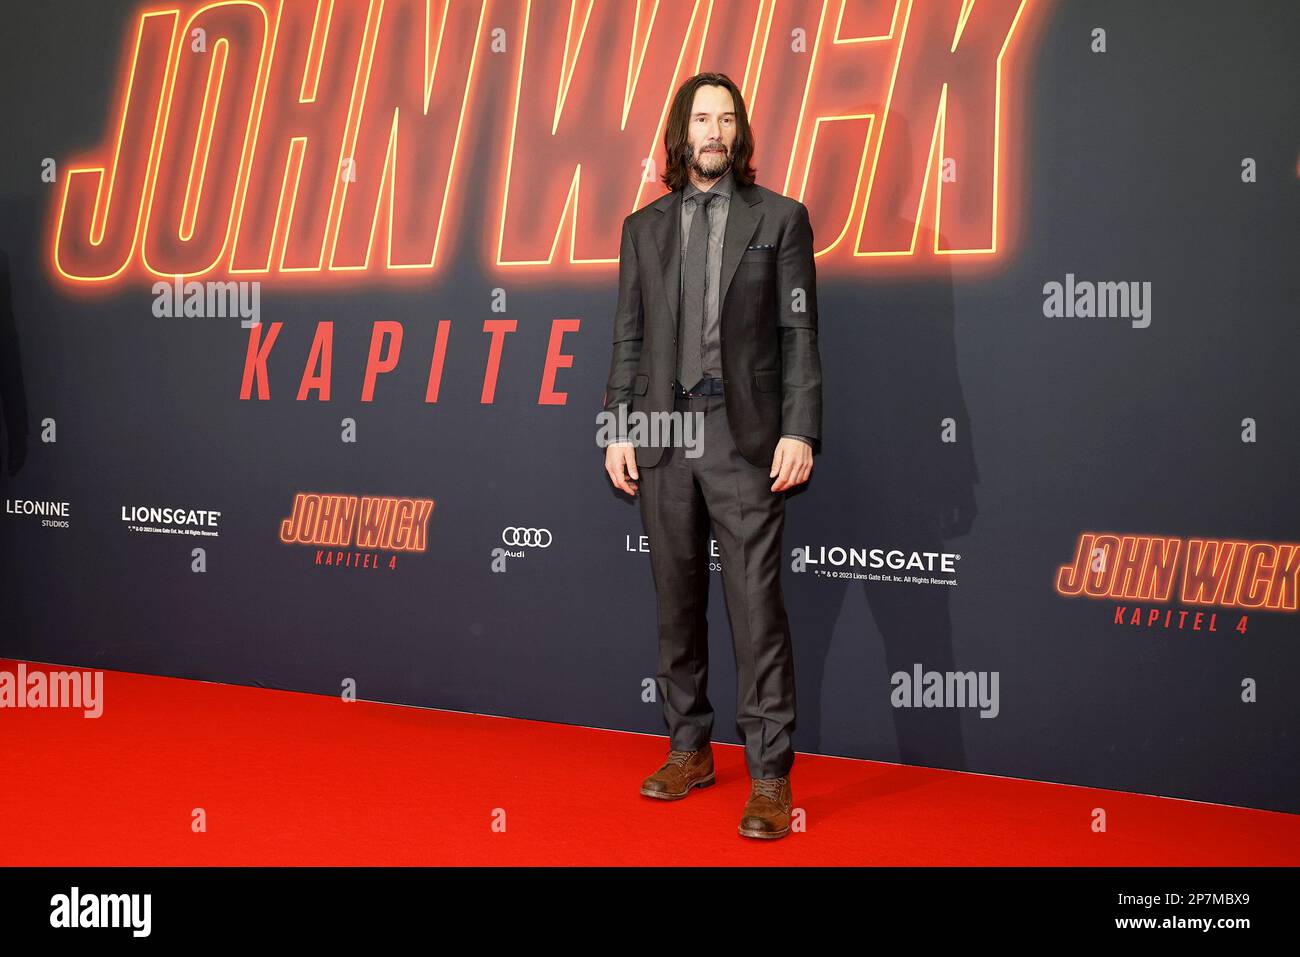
pixel 707 386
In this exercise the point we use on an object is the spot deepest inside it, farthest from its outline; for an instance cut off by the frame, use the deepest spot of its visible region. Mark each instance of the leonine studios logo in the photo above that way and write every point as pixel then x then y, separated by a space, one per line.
pixel 48 513
pixel 352 531
pixel 640 544
pixel 1142 571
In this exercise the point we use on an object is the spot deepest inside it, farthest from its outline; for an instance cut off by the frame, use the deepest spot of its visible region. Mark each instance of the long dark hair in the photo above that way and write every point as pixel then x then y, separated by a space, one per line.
pixel 677 147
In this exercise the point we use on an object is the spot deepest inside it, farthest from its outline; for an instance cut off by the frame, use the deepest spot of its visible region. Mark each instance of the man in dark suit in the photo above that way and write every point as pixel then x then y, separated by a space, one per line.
pixel 717 319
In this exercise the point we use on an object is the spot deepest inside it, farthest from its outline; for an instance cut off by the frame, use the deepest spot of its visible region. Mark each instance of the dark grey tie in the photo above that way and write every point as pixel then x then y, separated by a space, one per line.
pixel 691 342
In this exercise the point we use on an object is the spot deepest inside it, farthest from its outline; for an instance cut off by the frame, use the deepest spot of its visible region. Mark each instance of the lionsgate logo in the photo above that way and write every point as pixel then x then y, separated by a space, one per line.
pixel 1098 300
pixel 876 564
pixel 946 689
pixel 51 514
pixel 676 429
pixel 171 520
pixel 81 690
pixel 75 909
pixel 212 299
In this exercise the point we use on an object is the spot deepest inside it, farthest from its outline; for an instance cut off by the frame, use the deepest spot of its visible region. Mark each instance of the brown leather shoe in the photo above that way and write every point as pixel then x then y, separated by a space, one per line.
pixel 682 771
pixel 767 812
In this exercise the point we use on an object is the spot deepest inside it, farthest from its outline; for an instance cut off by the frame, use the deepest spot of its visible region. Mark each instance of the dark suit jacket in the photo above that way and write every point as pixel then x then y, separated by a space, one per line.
pixel 771 369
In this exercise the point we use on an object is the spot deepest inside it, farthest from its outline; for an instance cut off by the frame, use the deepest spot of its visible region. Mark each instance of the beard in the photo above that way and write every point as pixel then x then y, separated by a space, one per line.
pixel 709 165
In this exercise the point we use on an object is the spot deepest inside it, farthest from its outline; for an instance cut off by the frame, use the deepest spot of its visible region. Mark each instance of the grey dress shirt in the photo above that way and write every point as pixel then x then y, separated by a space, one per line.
pixel 711 346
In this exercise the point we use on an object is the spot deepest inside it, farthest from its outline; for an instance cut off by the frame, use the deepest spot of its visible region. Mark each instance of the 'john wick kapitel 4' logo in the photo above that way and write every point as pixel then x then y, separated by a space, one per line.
pixel 352 531
pixel 1144 569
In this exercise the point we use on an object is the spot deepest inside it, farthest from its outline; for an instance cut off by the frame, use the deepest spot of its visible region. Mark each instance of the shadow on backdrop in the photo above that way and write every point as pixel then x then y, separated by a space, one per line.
pixel 887 481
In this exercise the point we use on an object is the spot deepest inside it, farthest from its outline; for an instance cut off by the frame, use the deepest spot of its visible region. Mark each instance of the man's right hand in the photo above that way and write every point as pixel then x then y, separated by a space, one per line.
pixel 620 463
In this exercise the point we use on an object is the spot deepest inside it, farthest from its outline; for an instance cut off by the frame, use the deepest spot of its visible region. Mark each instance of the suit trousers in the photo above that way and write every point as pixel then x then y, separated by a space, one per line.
pixel 679 498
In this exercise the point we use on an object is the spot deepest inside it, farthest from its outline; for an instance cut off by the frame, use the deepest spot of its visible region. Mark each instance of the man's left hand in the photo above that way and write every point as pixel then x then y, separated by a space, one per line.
pixel 791 464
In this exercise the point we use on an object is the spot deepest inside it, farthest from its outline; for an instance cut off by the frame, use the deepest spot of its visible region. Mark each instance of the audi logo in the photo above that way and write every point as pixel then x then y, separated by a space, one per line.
pixel 539 537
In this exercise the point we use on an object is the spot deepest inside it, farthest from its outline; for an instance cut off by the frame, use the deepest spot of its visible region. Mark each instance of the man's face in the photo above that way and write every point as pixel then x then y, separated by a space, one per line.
pixel 711 132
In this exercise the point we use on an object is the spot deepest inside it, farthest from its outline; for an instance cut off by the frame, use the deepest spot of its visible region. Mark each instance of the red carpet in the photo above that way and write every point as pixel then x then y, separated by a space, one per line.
pixel 290 778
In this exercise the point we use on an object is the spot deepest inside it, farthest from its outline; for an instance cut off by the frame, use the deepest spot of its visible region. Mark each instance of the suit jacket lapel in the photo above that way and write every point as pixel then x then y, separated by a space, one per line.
pixel 668 237
pixel 742 220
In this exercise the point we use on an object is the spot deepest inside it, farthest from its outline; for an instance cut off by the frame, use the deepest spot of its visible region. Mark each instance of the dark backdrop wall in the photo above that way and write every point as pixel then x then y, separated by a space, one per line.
pixel 1151 145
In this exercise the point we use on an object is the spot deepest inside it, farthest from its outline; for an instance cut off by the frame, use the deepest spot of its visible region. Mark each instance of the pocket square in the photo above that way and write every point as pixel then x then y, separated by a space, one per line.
pixel 762 246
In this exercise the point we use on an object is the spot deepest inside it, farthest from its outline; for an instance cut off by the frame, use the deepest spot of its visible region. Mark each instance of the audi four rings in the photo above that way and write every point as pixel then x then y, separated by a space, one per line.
pixel 527 536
